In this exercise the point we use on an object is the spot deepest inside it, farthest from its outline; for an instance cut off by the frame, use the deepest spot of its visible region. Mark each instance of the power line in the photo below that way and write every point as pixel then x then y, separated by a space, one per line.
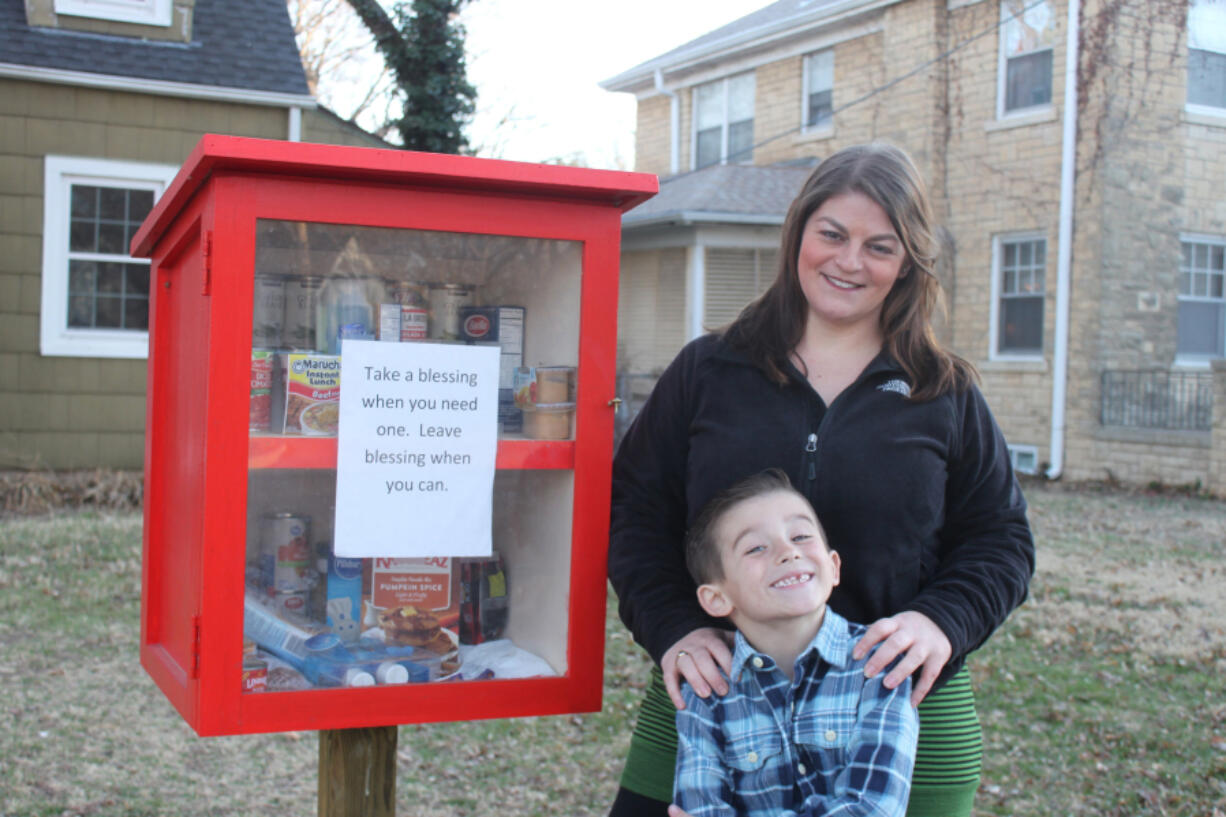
pixel 875 91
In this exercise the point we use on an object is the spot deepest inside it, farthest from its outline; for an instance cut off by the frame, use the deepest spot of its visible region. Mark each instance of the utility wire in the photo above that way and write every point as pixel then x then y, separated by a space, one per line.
pixel 874 92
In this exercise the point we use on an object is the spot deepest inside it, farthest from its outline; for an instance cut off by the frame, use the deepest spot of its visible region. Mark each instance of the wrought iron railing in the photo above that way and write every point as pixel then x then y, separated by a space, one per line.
pixel 1157 399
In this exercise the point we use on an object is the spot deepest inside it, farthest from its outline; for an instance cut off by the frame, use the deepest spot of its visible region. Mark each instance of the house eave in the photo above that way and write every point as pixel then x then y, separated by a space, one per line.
pixel 643 77
pixel 688 218
pixel 138 85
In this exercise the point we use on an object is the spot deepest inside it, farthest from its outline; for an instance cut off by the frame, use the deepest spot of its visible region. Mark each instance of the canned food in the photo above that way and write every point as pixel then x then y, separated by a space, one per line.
pixel 261 389
pixel 534 385
pixel 548 421
pixel 287 560
pixel 255 674
pixel 389 323
pixel 446 301
pixel 414 323
pixel 301 301
pixel 405 315
pixel 268 310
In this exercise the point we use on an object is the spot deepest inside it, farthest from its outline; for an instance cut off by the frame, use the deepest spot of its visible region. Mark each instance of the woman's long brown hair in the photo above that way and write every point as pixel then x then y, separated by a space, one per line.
pixel 769 328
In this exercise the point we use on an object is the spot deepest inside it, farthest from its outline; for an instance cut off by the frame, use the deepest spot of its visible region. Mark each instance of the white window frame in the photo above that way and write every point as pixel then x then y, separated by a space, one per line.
pixel 142 12
pixel 724 84
pixel 998 242
pixel 827 127
pixel 1024 458
pixel 60 173
pixel 1198 19
pixel 1185 358
pixel 1002 67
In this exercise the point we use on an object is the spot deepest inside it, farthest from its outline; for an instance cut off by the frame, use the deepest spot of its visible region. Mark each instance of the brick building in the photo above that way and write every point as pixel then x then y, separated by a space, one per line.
pixel 100 102
pixel 1083 210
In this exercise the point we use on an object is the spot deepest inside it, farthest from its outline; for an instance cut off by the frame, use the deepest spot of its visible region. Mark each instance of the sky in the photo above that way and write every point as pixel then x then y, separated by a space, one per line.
pixel 537 64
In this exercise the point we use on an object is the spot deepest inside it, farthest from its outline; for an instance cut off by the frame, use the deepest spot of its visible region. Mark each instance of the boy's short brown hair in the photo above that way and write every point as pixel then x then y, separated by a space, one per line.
pixel 702 553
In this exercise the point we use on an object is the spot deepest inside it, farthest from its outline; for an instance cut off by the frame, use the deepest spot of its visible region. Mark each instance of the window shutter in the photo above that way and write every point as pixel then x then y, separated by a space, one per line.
pixel 734 278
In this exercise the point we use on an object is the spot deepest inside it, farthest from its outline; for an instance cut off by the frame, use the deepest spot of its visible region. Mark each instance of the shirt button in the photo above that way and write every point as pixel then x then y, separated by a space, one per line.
pixel 800 767
pixel 752 757
pixel 758 662
pixel 831 735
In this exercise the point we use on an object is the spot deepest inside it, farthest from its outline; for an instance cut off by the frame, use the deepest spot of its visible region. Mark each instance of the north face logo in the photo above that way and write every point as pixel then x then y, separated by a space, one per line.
pixel 896 385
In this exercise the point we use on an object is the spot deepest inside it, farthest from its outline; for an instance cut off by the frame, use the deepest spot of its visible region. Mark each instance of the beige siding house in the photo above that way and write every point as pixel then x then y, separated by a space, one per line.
pixel 1076 156
pixel 99 104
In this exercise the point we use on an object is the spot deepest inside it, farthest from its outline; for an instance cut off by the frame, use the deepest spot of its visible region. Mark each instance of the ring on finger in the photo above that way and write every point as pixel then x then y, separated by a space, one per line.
pixel 681 654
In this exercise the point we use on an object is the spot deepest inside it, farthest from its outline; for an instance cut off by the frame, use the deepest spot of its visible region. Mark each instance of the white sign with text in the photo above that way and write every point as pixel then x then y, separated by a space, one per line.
pixel 416 449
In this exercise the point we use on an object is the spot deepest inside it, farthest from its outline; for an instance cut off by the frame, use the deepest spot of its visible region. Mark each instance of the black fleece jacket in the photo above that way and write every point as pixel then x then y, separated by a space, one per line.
pixel 918 498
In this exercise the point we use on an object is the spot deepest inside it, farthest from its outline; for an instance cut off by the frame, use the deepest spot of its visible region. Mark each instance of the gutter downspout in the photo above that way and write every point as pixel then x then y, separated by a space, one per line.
pixel 1064 262
pixel 674 124
pixel 695 290
pixel 295 124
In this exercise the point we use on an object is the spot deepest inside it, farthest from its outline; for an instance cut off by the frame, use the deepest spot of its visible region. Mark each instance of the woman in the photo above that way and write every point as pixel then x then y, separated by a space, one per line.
pixel 835 376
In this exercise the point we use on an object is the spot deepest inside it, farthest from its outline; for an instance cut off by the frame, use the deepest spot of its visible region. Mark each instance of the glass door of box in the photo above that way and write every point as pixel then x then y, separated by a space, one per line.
pixel 313 620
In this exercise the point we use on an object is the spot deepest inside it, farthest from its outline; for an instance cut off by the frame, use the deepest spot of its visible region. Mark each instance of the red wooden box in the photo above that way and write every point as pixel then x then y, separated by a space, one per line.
pixel 543 237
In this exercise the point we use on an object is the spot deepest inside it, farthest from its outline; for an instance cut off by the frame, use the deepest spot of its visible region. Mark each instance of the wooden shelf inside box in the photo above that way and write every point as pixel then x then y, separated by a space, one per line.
pixel 273 451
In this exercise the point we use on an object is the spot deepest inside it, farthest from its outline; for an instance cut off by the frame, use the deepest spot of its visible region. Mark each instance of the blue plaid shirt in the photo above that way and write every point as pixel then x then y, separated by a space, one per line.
pixel 830 742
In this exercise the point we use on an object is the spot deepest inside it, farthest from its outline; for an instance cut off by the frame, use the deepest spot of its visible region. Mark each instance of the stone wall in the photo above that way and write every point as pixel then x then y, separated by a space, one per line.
pixel 1147 173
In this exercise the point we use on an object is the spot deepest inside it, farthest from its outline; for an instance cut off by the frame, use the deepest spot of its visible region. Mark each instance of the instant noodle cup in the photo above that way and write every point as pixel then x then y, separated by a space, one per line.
pixel 548 421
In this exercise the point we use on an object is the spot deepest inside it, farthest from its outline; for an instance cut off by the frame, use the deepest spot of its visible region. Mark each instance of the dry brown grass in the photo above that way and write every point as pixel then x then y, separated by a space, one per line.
pixel 1101 697
pixel 26 493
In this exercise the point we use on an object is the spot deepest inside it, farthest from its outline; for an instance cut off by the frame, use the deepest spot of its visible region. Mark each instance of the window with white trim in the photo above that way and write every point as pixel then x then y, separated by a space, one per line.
pixel 144 12
pixel 723 121
pixel 1201 333
pixel 1027 38
pixel 95 296
pixel 1020 290
pixel 1024 458
pixel 819 90
pixel 1207 54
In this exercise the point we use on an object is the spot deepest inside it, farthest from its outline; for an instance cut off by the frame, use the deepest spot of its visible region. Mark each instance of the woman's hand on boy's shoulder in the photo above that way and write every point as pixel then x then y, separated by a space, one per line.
pixel 698 658
pixel 675 810
pixel 915 637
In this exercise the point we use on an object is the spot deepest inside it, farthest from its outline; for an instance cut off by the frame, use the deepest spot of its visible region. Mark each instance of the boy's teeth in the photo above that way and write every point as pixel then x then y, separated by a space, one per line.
pixel 791 580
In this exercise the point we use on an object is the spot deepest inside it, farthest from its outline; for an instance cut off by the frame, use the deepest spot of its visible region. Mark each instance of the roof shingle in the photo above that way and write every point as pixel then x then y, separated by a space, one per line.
pixel 724 193
pixel 236 44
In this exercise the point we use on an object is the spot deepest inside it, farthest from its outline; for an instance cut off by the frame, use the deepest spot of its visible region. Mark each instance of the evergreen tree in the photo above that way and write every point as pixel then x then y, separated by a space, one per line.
pixel 422 44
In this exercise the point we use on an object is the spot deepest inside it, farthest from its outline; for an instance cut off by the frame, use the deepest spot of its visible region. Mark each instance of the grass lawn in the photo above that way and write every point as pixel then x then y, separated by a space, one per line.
pixel 1103 695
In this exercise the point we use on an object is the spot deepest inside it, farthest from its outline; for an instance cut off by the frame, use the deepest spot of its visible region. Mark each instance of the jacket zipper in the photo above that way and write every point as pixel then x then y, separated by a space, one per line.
pixel 811 441
pixel 811 455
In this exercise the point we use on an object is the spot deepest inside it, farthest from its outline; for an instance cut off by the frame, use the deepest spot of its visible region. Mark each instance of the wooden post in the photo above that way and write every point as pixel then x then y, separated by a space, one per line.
pixel 357 772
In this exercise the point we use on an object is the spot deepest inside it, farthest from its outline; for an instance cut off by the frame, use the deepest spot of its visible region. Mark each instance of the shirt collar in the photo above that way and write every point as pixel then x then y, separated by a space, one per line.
pixel 832 644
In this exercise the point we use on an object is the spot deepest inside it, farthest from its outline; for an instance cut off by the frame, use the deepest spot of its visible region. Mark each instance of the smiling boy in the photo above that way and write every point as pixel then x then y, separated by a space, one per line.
pixel 801 730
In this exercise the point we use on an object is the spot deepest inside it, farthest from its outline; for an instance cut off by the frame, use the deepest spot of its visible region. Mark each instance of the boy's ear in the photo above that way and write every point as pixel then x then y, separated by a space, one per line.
pixel 713 600
pixel 838 567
